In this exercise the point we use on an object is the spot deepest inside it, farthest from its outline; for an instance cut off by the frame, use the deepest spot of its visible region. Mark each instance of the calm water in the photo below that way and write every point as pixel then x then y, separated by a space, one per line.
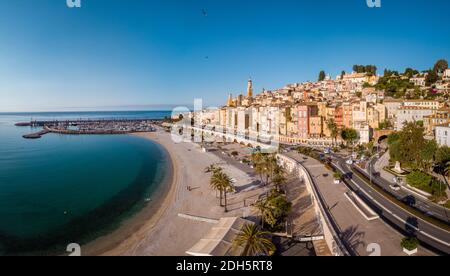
pixel 62 189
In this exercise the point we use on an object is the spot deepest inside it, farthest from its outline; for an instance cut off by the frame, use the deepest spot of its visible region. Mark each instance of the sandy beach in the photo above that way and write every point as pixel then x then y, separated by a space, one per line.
pixel 158 230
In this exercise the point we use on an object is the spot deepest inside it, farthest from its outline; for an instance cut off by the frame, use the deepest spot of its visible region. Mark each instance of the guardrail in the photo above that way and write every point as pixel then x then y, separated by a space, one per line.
pixel 329 227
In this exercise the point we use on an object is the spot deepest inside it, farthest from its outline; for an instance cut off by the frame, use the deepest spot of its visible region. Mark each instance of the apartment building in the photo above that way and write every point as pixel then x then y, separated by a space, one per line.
pixel 408 114
pixel 441 117
pixel 446 75
pixel 392 107
pixel 431 104
pixel 443 135
pixel 305 112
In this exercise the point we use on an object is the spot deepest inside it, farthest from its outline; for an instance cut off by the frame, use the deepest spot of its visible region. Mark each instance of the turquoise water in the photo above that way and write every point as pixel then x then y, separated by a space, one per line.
pixel 63 189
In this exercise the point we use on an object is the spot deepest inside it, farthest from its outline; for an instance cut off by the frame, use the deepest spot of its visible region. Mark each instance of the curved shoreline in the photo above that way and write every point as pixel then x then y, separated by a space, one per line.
pixel 132 231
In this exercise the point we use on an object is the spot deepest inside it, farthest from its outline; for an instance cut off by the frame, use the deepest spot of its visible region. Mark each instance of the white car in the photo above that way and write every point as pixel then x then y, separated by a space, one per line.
pixel 337 181
pixel 395 187
pixel 349 162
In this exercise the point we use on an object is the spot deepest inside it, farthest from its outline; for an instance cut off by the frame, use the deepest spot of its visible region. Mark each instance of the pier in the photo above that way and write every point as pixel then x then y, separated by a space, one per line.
pixel 90 127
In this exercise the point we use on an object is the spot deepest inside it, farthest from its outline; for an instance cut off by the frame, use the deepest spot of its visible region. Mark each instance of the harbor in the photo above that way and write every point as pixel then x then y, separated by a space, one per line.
pixel 89 127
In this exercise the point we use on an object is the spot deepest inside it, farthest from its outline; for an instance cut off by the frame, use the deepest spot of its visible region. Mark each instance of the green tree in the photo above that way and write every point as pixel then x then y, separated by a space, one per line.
pixel 334 130
pixel 428 155
pixel 409 72
pixel 222 183
pixel 322 75
pixel 393 137
pixel 349 135
pixel 258 164
pixel 407 147
pixel 215 183
pixel 279 177
pixel 447 169
pixel 342 75
pixel 440 66
pixel 274 208
pixel 431 78
pixel 443 155
pixel 254 241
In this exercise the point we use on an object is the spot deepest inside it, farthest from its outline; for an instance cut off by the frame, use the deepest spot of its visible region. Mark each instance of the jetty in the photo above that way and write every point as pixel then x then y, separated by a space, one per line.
pixel 36 135
pixel 90 127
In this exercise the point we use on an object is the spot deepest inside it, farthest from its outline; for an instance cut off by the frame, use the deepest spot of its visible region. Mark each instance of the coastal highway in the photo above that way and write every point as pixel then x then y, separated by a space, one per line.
pixel 427 207
pixel 426 232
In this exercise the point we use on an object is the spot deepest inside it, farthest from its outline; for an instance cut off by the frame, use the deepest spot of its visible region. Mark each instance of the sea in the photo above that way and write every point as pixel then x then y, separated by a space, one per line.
pixel 63 189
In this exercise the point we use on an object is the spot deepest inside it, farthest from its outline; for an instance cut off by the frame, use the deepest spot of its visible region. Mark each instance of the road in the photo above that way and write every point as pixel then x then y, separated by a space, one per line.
pixel 426 206
pixel 355 231
pixel 426 232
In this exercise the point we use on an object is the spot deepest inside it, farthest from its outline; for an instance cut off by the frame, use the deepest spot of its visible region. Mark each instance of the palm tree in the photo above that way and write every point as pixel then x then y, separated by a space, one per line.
pixel 259 164
pixel 221 182
pixel 266 212
pixel 272 166
pixel 216 184
pixel 254 241
pixel 211 168
pixel 227 186
pixel 279 177
pixel 447 169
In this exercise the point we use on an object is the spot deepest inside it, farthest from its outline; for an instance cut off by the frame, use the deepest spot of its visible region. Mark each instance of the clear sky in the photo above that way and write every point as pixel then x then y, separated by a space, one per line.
pixel 120 54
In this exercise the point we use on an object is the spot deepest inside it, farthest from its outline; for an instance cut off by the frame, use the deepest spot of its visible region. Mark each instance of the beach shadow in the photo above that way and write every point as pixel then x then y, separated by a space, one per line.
pixel 353 238
pixel 257 184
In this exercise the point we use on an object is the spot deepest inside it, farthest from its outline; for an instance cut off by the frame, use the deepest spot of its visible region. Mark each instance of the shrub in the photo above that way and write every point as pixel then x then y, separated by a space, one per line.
pixel 338 176
pixel 419 180
pixel 410 243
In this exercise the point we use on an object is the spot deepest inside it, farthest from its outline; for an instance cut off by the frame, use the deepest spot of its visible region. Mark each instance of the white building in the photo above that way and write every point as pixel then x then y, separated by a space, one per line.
pixel 359 112
pixel 443 135
pixel 243 119
pixel 419 81
pixel 446 75
pixel 364 132
pixel 392 107
pixel 409 114
pixel 431 104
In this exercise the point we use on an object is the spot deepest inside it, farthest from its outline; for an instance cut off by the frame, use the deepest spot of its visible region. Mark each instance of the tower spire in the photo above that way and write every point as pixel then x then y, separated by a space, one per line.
pixel 230 100
pixel 250 88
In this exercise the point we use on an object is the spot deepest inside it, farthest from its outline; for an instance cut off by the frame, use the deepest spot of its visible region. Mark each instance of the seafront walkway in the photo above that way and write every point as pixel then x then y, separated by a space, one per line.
pixel 355 230
pixel 303 221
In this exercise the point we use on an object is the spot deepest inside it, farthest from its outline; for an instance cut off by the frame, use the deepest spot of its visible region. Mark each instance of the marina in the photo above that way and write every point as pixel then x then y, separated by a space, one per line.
pixel 89 127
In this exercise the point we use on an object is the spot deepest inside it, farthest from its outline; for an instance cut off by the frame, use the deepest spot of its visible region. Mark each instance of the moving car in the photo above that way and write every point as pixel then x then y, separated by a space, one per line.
pixel 395 187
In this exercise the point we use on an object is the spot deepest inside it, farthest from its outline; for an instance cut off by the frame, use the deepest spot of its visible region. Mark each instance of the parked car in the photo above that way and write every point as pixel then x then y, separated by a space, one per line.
pixel 349 162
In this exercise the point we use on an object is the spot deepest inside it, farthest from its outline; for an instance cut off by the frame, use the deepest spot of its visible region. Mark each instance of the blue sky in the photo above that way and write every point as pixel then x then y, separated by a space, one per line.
pixel 122 54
